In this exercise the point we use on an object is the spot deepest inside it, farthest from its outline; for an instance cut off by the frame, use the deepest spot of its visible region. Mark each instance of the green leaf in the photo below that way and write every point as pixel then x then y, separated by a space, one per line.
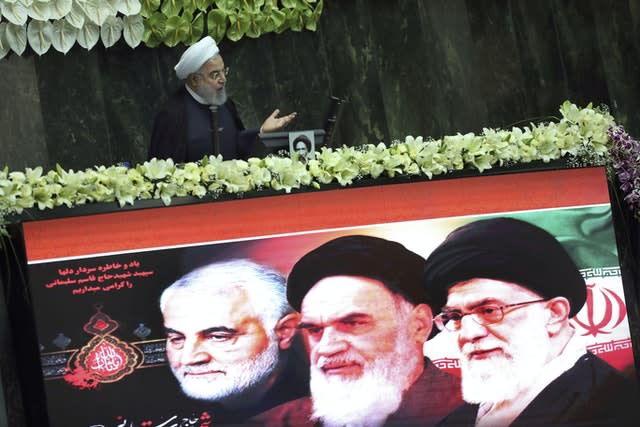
pixel 148 7
pixel 171 7
pixel 289 4
pixel 39 34
pixel 129 7
pixel 195 30
pixel 4 44
pixel 60 8
pixel 150 39
pixel 64 35
pixel 155 25
pixel 88 35
pixel 286 22
pixel 187 14
pixel 297 4
pixel 273 20
pixel 176 30
pixel 111 31
pixel 202 5
pixel 217 24
pixel 253 5
pixel 295 19
pixel 238 26
pixel 227 6
pixel 188 9
pixel 311 23
pixel 133 30
pixel 256 25
pixel 76 16
pixel 15 13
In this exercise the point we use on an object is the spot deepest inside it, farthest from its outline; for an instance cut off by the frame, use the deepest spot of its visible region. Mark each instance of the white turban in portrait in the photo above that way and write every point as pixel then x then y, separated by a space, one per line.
pixel 196 55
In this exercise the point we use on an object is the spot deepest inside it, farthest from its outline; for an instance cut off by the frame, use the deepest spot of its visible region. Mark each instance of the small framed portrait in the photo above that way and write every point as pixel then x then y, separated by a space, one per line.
pixel 302 145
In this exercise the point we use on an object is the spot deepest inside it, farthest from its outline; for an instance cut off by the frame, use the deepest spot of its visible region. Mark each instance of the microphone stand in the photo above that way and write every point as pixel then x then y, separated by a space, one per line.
pixel 331 120
pixel 215 138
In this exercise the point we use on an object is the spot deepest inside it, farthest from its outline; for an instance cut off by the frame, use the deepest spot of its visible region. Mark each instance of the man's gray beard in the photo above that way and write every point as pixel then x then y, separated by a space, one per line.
pixel 239 378
pixel 500 378
pixel 370 399
pixel 214 97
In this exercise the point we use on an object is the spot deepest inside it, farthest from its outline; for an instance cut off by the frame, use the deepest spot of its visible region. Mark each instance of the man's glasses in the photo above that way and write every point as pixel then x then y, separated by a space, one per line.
pixel 216 74
pixel 482 315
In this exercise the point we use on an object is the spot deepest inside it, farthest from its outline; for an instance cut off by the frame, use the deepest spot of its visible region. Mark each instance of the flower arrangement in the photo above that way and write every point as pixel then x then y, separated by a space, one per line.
pixel 580 135
pixel 625 163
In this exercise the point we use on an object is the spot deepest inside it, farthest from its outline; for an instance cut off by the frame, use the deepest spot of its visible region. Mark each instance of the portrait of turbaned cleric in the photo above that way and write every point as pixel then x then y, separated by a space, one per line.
pixel 364 322
pixel 506 290
pixel 303 147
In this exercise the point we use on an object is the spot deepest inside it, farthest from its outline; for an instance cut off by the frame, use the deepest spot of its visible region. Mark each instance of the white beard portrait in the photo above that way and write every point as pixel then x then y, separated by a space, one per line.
pixel 368 400
pixel 501 377
pixel 212 96
pixel 238 378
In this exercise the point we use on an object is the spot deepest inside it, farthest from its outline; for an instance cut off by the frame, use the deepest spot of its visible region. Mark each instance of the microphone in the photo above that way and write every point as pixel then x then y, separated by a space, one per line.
pixel 333 111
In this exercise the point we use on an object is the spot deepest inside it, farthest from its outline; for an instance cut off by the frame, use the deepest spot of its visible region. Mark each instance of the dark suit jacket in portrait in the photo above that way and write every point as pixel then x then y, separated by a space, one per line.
pixel 590 394
pixel 434 395
pixel 182 131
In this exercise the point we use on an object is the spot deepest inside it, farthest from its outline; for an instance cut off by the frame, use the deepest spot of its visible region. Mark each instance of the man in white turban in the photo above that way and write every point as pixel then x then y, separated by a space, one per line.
pixel 182 130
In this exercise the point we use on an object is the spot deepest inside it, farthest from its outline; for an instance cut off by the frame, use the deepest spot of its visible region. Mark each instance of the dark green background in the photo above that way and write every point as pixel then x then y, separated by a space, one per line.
pixel 409 67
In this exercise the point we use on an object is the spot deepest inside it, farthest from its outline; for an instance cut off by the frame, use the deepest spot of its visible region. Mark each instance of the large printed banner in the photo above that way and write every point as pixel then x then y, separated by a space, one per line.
pixel 96 280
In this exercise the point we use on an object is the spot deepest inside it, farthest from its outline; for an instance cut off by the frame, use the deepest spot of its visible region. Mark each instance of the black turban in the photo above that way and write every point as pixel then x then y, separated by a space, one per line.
pixel 509 250
pixel 389 262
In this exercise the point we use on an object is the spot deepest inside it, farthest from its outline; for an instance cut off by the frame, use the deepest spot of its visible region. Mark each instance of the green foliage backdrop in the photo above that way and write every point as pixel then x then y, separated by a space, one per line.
pixel 42 24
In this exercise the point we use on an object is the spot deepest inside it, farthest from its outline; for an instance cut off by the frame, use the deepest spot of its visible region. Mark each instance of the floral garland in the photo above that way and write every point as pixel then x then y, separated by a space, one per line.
pixel 580 135
pixel 625 163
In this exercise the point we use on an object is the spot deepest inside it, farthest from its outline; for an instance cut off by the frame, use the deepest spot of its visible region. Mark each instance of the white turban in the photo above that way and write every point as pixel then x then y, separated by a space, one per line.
pixel 196 55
